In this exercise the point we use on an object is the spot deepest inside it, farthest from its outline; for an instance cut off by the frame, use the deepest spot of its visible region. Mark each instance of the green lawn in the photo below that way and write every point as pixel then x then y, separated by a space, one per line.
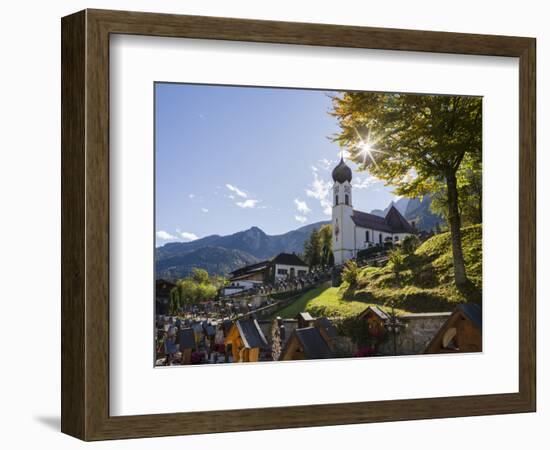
pixel 427 279
pixel 324 301
pixel 426 283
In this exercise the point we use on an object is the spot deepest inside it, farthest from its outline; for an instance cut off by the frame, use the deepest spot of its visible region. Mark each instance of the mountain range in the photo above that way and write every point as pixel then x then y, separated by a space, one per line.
pixel 223 254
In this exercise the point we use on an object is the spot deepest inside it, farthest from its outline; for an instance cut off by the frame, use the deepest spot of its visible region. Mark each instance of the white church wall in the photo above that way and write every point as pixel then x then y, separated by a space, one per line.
pixel 344 241
pixel 374 237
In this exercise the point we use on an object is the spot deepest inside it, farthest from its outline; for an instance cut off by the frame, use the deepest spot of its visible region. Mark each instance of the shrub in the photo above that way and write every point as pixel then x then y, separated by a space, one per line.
pixel 357 329
pixel 397 262
pixel 410 244
pixel 369 252
pixel 350 274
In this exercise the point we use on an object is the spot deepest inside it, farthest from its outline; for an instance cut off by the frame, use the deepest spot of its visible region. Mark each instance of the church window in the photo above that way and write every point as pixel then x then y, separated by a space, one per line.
pixel 380 238
pixel 367 237
pixel 347 199
pixel 336 201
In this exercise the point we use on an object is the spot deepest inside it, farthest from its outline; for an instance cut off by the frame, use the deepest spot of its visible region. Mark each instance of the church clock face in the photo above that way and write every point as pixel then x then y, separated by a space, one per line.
pixel 336 188
pixel 347 189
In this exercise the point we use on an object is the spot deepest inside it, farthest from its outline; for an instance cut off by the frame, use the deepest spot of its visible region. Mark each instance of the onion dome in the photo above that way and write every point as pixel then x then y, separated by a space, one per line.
pixel 341 172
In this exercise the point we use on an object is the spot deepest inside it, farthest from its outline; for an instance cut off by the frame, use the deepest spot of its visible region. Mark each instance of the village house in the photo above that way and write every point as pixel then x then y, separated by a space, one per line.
pixel 354 230
pixel 376 320
pixel 461 333
pixel 246 340
pixel 305 343
pixel 288 266
pixel 312 339
pixel 304 319
pixel 284 266
pixel 328 332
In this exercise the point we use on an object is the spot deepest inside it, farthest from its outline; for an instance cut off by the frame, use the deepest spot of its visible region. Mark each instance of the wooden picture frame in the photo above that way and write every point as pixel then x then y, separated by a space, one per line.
pixel 85 224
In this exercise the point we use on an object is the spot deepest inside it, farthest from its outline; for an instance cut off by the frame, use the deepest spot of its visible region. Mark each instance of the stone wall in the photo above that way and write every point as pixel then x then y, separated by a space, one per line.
pixel 413 339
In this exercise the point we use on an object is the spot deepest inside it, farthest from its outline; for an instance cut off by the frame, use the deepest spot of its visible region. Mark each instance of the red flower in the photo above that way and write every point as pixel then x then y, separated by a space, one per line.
pixel 365 351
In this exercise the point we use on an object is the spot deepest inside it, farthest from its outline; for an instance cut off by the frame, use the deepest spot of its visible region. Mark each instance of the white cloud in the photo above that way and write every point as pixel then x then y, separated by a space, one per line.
pixel 301 219
pixel 320 190
pixel 301 206
pixel 364 183
pixel 326 163
pixel 204 210
pixel 165 236
pixel 191 196
pixel 188 236
pixel 247 203
pixel 236 190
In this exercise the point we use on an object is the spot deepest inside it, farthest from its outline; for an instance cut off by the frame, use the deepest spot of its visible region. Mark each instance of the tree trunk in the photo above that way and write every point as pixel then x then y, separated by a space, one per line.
pixel 461 280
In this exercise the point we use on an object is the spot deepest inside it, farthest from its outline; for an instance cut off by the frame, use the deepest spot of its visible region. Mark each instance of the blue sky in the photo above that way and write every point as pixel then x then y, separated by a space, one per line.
pixel 229 158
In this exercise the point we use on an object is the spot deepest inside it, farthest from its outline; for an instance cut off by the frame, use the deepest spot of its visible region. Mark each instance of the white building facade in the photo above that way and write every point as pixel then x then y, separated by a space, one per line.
pixel 354 230
pixel 288 266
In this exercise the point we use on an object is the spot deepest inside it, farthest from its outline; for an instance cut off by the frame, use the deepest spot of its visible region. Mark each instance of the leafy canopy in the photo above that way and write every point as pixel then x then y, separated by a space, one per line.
pixel 409 141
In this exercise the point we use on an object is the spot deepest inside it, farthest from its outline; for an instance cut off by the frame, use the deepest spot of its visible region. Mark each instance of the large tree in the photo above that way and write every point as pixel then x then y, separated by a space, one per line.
pixel 469 186
pixel 193 290
pixel 312 249
pixel 414 142
pixel 325 238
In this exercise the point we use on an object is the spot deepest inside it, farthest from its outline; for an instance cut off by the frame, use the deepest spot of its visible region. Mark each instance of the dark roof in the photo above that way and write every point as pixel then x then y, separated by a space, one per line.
pixel 397 222
pixel 186 338
pixel 290 259
pixel 325 324
pixel 256 267
pixel 313 344
pixel 394 222
pixel 376 310
pixel 341 172
pixel 251 333
pixel 472 312
pixel 366 220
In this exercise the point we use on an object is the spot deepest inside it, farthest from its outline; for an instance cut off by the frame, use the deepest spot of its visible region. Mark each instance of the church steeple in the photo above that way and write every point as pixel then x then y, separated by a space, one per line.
pixel 343 234
pixel 341 173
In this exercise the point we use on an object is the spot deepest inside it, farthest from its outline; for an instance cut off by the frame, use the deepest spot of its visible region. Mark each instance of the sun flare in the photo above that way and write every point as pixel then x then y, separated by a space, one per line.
pixel 366 150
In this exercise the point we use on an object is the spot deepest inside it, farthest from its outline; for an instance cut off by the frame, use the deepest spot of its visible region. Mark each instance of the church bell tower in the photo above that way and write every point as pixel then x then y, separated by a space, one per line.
pixel 343 229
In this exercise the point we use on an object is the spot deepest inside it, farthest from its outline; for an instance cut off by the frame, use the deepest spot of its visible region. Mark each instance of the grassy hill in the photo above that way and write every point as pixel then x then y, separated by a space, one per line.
pixel 426 282
pixel 324 301
pixel 427 279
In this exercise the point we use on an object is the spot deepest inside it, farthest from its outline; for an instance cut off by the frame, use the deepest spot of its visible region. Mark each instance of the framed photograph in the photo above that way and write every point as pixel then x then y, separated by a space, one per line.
pixel 273 225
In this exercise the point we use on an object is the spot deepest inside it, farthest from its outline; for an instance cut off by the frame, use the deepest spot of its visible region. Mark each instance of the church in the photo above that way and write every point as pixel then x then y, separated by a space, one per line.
pixel 354 230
